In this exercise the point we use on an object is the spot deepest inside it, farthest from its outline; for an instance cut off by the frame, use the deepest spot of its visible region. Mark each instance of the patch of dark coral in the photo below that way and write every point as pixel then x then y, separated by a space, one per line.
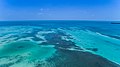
pixel 92 49
pixel 66 58
pixel 56 39
pixel 20 47
pixel 113 36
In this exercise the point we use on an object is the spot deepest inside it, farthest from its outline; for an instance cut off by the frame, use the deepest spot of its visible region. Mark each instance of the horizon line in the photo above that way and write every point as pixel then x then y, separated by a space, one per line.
pixel 64 20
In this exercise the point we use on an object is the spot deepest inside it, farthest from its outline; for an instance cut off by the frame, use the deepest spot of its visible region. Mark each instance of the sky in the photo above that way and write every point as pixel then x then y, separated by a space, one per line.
pixel 59 9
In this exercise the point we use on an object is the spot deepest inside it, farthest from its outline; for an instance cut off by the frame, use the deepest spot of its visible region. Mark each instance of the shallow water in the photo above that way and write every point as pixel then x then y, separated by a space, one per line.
pixel 106 46
pixel 29 50
pixel 53 43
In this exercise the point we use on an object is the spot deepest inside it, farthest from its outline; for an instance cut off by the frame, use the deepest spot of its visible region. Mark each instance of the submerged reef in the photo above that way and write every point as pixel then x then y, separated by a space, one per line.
pixel 34 46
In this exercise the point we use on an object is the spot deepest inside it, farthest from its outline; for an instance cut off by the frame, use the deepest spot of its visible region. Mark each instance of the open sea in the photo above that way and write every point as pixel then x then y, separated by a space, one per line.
pixel 59 43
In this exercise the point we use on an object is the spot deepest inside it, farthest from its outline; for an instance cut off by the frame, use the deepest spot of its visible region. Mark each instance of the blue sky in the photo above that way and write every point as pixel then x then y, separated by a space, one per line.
pixel 59 10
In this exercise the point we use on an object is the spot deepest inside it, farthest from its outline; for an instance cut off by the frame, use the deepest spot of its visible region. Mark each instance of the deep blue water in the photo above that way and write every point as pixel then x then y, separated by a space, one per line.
pixel 101 26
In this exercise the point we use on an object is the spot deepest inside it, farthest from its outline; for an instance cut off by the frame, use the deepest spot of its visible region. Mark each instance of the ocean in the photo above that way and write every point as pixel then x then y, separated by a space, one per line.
pixel 59 43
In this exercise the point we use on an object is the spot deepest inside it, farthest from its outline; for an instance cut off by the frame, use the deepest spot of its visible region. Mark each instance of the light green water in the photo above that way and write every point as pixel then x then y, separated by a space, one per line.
pixel 31 51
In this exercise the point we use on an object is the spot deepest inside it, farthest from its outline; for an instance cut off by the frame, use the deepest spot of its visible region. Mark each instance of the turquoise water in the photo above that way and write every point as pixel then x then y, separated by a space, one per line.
pixel 107 47
pixel 29 50
pixel 24 48
pixel 43 43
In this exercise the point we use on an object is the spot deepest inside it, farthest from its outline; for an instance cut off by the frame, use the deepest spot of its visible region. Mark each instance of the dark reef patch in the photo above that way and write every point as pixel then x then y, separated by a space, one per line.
pixel 66 58
pixel 92 49
pixel 56 39
pixel 117 37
